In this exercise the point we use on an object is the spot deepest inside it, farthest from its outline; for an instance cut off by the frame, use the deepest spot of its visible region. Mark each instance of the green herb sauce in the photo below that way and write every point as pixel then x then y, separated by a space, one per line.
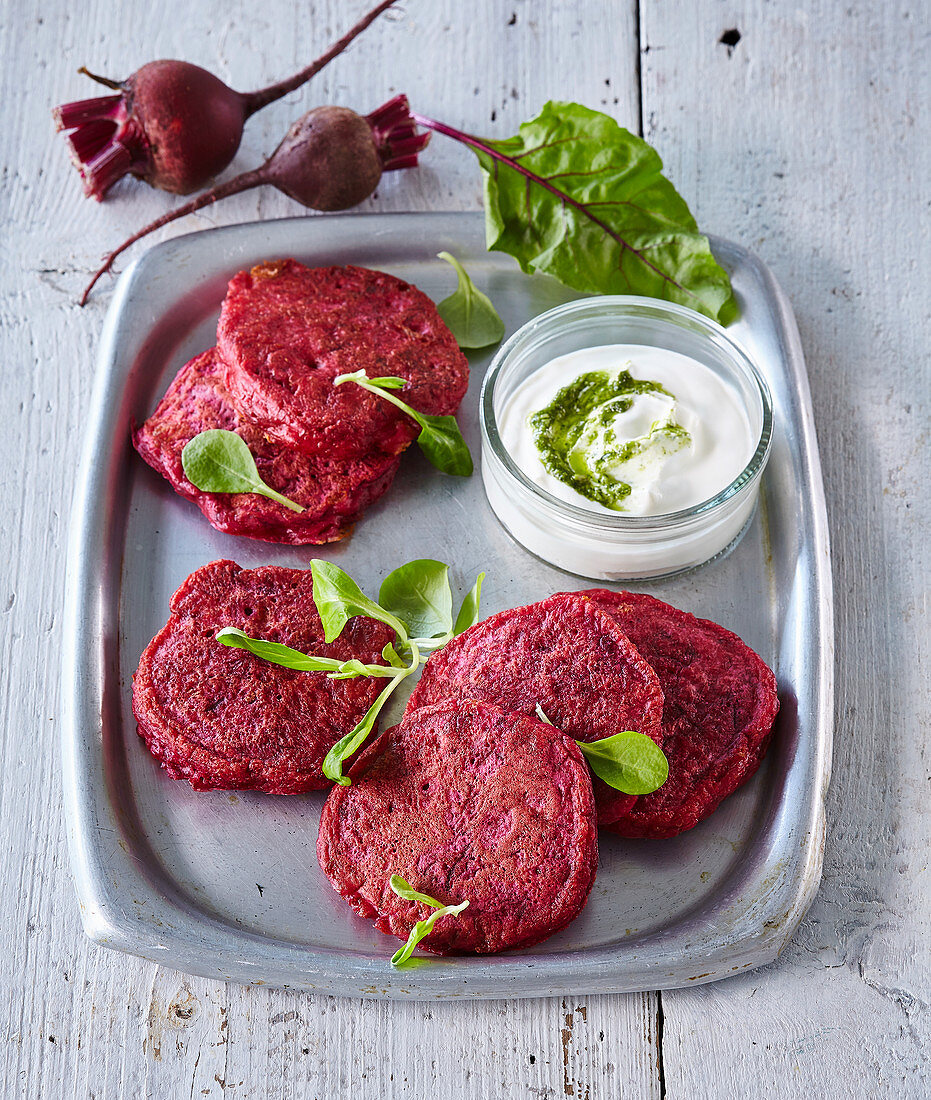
pixel 582 444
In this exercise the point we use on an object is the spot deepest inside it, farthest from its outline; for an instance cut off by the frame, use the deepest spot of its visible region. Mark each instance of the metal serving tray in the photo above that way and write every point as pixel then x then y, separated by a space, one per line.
pixel 226 885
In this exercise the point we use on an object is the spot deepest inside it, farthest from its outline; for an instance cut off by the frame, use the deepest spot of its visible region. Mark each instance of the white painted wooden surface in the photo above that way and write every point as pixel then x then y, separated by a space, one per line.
pixel 809 143
pixel 803 141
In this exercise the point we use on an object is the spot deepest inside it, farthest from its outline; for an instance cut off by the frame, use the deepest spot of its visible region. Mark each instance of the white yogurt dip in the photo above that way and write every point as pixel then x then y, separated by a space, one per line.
pixel 695 407
pixel 689 440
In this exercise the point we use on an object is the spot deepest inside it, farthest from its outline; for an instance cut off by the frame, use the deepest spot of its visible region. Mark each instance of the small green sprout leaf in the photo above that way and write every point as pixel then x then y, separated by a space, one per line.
pixel 382 382
pixel 468 313
pixel 338 599
pixel 278 654
pixel 390 654
pixel 439 439
pixel 419 594
pixel 443 445
pixel 353 741
pixel 628 762
pixel 404 890
pixel 352 668
pixel 422 928
pixel 218 461
pixel 349 744
pixel 469 611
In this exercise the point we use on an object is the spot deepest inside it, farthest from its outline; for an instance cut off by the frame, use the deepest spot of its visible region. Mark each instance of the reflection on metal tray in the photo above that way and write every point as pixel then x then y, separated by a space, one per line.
pixel 226 885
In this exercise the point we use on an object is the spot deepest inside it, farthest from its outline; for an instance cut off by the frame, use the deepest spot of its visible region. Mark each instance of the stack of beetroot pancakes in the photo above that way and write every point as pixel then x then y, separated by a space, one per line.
pixel 285 332
pixel 473 797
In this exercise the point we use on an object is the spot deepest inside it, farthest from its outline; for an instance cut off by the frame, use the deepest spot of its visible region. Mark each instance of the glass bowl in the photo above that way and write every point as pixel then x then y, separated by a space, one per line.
pixel 605 546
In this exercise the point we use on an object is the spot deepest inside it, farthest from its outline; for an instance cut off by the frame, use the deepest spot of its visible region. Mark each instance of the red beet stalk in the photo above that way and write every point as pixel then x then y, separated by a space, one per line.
pixel 564 197
pixel 172 124
pixel 330 159
pixel 483 146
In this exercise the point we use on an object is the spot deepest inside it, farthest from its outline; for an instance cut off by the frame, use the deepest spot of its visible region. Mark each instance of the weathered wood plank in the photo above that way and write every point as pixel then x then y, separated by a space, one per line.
pixel 79 1021
pixel 802 141
pixel 225 1038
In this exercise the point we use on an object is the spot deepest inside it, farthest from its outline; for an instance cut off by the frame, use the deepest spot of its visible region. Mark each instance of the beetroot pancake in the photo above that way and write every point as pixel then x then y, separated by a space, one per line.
pixel 563 654
pixel 332 493
pixel 465 801
pixel 720 705
pixel 286 331
pixel 224 719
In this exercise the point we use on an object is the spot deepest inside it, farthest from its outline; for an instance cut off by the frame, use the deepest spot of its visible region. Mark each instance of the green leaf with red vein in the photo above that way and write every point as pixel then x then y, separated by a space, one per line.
pixel 578 197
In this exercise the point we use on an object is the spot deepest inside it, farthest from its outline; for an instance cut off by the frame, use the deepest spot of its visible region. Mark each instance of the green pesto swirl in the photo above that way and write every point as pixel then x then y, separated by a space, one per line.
pixel 579 441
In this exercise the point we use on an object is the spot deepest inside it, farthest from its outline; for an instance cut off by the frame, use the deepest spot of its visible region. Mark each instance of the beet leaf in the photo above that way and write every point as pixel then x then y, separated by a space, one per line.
pixel 576 196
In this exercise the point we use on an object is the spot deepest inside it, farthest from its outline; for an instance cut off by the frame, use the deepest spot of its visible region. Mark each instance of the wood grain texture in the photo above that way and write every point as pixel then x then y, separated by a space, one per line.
pixel 803 141
pixel 79 1021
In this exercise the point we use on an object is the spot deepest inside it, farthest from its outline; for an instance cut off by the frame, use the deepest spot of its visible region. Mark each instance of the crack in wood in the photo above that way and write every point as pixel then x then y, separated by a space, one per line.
pixel 660 1020
pixel 638 75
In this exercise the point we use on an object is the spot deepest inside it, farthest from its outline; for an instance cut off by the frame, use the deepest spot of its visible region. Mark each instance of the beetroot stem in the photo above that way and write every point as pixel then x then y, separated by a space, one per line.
pixel 247 180
pixel 255 101
pixel 491 151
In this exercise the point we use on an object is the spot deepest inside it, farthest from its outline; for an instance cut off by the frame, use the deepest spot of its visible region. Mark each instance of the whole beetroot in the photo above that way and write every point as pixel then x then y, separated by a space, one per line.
pixel 323 143
pixel 172 124
pixel 330 159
